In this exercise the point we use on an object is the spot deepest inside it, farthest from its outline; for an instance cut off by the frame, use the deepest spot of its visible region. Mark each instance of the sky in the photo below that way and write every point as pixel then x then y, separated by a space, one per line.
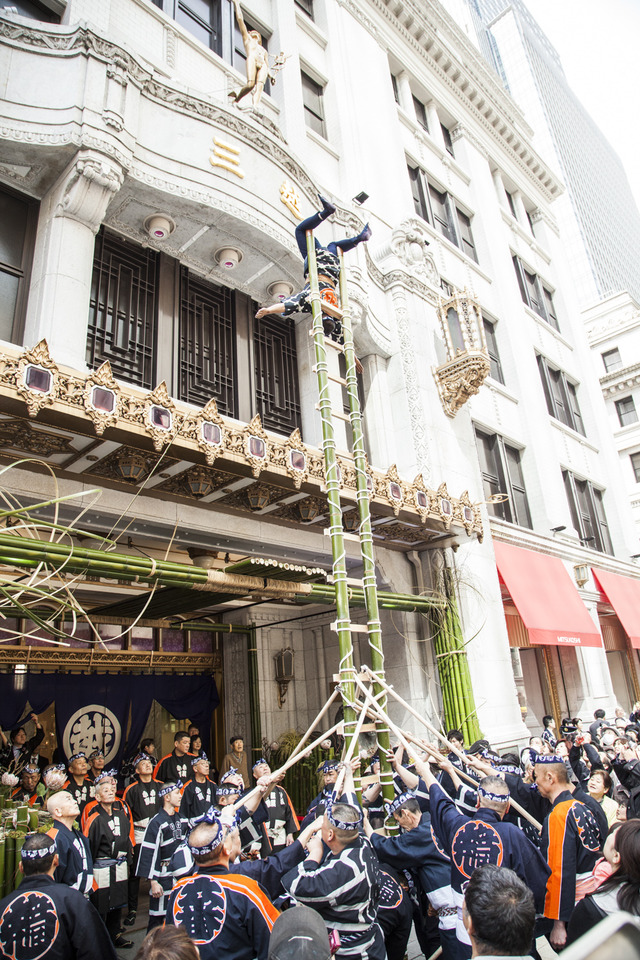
pixel 597 41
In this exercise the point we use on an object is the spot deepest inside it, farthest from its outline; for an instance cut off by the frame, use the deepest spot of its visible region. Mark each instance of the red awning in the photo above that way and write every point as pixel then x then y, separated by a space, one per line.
pixel 623 594
pixel 546 598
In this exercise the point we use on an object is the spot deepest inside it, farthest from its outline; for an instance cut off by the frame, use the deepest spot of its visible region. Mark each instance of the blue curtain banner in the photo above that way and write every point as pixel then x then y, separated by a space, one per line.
pixel 92 710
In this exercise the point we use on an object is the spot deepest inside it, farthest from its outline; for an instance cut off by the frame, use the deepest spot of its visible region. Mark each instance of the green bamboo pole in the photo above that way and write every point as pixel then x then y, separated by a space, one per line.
pixel 17 874
pixel 453 666
pixel 369 582
pixel 2 887
pixel 345 645
pixel 27 553
pixel 9 860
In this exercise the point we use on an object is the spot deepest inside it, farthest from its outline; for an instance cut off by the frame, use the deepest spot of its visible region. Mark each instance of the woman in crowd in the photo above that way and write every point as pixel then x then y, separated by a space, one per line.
pixel 599 786
pixel 621 891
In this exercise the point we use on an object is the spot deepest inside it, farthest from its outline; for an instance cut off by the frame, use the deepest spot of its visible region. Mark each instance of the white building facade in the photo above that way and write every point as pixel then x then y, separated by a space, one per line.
pixel 118 115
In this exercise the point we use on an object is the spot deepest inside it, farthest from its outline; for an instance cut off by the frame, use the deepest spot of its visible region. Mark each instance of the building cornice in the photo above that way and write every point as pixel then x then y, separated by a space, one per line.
pixel 439 42
pixel 621 380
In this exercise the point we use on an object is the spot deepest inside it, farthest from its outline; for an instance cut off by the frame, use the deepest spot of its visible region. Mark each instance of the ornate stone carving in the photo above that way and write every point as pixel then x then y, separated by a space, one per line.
pixel 154 420
pixel 196 482
pixel 294 454
pixel 460 379
pixel 88 189
pixel 118 465
pixel 37 378
pixel 468 364
pixel 96 403
pixel 252 444
pixel 22 435
pixel 201 426
pixel 410 243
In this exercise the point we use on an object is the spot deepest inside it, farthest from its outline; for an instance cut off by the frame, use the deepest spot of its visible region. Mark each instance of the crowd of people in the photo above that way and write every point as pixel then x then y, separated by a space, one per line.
pixel 227 862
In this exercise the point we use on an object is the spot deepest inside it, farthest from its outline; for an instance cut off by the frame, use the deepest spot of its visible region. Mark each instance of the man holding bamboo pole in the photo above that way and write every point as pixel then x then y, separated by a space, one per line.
pixel 484 838
pixel 343 885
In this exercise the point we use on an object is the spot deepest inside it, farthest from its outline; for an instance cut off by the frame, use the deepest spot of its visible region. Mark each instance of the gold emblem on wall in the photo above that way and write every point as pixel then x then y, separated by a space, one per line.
pixel 291 198
pixel 226 156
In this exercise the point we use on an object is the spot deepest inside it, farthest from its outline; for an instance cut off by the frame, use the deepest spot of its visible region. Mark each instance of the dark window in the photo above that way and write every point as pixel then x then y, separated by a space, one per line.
pixel 18 217
pixel 306 5
pixel 448 142
pixel 626 410
pixel 312 97
pixel 512 204
pixel 441 214
pixel 561 395
pixel 635 463
pixel 587 512
pixel 201 18
pixel 439 209
pixel 417 191
pixel 122 309
pixel 394 84
pixel 276 373
pixel 446 288
pixel 421 113
pixel 207 344
pixel 492 347
pixel 612 360
pixel 535 294
pixel 31 9
pixel 502 473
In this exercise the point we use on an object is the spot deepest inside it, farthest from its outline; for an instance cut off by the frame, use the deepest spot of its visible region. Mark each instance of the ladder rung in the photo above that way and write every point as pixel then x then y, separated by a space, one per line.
pixel 367 727
pixel 350 581
pixel 339 380
pixel 345 535
pixel 337 414
pixel 353 627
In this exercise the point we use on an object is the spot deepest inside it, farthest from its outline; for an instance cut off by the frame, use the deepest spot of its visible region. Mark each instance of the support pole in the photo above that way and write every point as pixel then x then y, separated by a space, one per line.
pixel 366 536
pixel 343 618
pixel 254 694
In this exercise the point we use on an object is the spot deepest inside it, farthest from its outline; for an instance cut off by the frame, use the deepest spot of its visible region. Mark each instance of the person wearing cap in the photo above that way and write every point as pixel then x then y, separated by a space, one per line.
pixel 236 758
pixel 176 765
pixel 75 863
pixel 328 769
pixel 27 790
pixel 96 765
pixel 415 850
pixel 484 838
pixel 239 916
pixel 162 838
pixel 343 885
pixel 141 796
pixel 199 792
pixel 78 785
pixel 252 815
pixel 46 919
pixel 109 829
pixel 283 822
pixel 574 828
pixel 299 934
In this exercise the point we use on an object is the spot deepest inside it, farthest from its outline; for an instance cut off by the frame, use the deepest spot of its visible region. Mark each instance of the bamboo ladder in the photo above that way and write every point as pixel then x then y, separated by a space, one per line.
pixel 343 625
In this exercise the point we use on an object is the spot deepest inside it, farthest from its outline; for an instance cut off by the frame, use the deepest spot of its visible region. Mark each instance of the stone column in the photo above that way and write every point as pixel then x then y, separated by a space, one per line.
pixel 405 95
pixel 435 131
pixel 70 216
pixel 381 442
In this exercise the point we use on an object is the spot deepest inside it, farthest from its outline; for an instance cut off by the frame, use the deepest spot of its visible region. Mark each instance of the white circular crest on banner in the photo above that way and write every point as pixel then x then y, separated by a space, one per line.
pixel 92 728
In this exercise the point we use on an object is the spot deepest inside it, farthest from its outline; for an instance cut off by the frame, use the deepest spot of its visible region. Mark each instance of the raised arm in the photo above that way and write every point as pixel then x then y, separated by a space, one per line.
pixel 241 24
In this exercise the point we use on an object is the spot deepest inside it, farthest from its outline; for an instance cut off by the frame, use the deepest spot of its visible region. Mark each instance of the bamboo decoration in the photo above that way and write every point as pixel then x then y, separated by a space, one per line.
pixel 336 532
pixel 17 874
pixel 9 860
pixel 369 582
pixel 22 819
pixel 453 666
pixel 2 887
